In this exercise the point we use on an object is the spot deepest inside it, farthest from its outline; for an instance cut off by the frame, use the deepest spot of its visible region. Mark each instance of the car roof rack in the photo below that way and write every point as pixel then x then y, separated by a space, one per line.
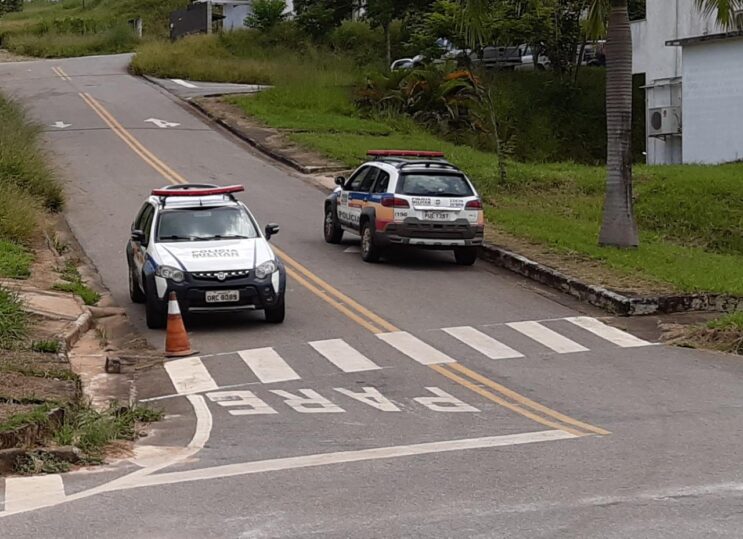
pixel 196 190
pixel 428 163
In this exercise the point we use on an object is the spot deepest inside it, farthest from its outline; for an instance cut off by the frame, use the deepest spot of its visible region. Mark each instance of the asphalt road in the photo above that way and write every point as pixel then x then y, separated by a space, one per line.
pixel 411 398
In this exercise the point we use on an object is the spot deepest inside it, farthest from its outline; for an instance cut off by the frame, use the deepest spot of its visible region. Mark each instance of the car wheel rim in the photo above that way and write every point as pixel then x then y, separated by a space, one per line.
pixel 366 241
pixel 328 224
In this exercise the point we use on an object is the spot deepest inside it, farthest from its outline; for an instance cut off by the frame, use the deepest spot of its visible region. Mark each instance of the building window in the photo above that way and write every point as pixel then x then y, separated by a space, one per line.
pixel 636 9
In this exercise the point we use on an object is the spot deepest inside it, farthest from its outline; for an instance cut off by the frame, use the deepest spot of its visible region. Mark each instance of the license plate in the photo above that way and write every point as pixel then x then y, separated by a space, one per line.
pixel 222 296
pixel 436 215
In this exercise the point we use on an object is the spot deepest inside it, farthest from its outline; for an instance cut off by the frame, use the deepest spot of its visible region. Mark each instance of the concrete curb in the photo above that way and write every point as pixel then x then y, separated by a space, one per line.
pixel 604 298
pixel 595 295
pixel 80 327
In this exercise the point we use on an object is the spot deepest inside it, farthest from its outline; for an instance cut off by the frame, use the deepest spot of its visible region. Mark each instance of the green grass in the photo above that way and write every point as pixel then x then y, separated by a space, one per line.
pixel 91 431
pixel 79 28
pixel 46 347
pixel 13 320
pixel 15 260
pixel 37 416
pixel 64 45
pixel 27 189
pixel 74 284
pixel 733 321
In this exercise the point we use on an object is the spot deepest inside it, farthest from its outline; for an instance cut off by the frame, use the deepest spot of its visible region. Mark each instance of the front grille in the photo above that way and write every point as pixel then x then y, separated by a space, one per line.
pixel 220 276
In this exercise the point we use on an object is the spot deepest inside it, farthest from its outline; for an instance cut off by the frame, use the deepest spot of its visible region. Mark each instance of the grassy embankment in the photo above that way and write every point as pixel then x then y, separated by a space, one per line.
pixel 691 217
pixel 70 28
pixel 33 382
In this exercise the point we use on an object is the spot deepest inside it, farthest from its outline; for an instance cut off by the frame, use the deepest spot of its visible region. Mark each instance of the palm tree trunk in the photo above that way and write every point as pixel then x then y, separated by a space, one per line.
pixel 388 43
pixel 619 228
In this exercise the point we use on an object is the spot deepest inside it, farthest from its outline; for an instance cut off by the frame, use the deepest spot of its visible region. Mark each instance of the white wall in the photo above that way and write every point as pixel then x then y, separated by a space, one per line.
pixel 234 16
pixel 713 102
pixel 665 20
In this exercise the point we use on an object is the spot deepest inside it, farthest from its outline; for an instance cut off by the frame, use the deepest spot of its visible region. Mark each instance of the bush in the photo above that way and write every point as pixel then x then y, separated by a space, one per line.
pixel 359 40
pixel 198 58
pixel 266 14
pixel 117 39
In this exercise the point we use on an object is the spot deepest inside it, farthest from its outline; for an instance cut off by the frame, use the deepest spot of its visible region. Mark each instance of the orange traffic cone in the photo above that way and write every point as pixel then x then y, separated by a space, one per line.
pixel 176 339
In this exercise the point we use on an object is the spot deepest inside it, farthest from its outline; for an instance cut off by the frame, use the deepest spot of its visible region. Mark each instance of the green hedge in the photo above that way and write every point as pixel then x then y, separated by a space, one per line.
pixel 549 120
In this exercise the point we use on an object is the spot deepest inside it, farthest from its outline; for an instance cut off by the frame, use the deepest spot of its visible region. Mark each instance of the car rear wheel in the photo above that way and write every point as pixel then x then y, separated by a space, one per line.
pixel 369 248
pixel 135 292
pixel 276 315
pixel 465 256
pixel 155 312
pixel 333 231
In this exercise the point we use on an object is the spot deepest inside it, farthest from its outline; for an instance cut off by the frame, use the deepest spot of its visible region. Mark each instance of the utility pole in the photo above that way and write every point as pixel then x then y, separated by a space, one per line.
pixel 208 16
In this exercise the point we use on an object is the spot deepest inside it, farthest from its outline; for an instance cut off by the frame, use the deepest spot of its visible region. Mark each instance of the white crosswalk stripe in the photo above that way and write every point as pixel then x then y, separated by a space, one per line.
pixel 24 493
pixel 611 334
pixel 484 344
pixel 414 348
pixel 268 365
pixel 546 337
pixel 189 375
pixel 343 356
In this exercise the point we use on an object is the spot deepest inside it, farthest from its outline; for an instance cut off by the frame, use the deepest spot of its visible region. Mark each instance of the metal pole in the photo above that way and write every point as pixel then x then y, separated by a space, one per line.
pixel 208 16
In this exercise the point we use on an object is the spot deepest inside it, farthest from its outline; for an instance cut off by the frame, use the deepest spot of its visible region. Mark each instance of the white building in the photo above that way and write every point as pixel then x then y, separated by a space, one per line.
pixel 674 129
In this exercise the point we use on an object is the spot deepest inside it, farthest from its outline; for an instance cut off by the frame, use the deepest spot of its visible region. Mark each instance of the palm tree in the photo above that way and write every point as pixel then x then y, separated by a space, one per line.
pixel 619 228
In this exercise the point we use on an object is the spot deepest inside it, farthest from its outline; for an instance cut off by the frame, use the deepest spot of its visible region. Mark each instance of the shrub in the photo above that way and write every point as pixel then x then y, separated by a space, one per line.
pixel 266 14
pixel 359 40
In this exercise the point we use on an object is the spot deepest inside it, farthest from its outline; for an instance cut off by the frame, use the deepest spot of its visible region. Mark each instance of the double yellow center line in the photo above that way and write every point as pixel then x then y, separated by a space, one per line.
pixel 372 322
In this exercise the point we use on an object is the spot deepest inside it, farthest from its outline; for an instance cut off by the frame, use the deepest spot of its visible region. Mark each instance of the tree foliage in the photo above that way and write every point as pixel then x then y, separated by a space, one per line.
pixel 9 6
pixel 319 17
pixel 266 14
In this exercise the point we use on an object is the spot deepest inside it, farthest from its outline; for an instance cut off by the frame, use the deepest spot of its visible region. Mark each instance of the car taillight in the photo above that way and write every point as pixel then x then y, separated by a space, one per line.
pixel 394 202
pixel 473 205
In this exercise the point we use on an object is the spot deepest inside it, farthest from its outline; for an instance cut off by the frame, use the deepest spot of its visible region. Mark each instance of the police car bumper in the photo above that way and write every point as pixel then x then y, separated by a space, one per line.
pixel 432 234
pixel 197 295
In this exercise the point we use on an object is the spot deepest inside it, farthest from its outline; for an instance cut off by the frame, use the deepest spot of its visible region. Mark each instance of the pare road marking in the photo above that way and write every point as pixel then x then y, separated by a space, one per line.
pixel 309 401
pixel 162 124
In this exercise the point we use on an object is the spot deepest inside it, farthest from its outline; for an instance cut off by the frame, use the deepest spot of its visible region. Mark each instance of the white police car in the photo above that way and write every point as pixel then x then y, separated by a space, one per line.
pixel 198 241
pixel 404 197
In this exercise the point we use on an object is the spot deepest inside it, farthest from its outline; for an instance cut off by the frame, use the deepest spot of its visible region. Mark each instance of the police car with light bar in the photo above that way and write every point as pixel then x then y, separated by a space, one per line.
pixel 404 197
pixel 199 241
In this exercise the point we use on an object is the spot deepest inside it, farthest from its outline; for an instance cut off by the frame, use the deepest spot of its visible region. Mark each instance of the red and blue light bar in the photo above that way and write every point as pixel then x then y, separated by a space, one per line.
pixel 198 192
pixel 403 153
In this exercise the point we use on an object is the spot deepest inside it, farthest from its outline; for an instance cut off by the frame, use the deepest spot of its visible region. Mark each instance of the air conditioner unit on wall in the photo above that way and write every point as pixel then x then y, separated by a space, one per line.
pixel 664 121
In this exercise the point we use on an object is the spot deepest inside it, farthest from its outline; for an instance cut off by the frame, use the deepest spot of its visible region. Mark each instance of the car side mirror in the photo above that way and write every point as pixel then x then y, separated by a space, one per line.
pixel 340 180
pixel 271 229
pixel 138 236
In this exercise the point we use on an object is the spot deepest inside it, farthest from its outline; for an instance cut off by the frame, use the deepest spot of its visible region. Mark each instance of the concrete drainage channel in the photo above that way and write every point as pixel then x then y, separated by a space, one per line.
pixel 263 139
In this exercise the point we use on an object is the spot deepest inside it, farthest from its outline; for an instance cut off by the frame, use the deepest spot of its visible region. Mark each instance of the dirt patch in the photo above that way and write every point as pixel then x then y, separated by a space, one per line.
pixel 21 388
pixel 701 336
pixel 6 56
pixel 577 266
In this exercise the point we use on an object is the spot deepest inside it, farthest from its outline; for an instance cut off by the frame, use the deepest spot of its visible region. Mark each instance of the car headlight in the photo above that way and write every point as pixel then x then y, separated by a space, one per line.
pixel 265 269
pixel 170 273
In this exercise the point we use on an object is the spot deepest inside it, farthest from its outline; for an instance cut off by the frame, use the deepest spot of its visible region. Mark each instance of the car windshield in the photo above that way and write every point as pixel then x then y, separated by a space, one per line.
pixel 202 224
pixel 435 185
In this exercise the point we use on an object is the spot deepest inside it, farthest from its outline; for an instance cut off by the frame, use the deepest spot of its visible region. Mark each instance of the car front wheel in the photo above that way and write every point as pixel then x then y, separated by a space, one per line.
pixel 276 315
pixel 155 311
pixel 135 292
